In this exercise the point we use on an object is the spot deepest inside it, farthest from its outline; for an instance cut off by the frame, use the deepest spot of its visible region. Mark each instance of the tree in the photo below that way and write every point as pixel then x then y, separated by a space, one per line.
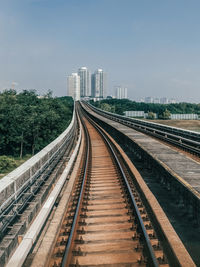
pixel 166 114
pixel 28 123
pixel 151 115
pixel 6 163
pixel 106 107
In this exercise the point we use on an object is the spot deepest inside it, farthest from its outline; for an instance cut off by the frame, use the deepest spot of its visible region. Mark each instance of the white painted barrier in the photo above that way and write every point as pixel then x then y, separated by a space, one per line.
pixel 30 237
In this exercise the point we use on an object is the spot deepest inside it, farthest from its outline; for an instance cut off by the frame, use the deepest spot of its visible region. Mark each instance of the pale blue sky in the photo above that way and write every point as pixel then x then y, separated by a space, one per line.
pixel 150 46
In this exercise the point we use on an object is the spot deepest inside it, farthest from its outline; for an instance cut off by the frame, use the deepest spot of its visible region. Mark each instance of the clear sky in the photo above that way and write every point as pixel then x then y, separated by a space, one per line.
pixel 150 46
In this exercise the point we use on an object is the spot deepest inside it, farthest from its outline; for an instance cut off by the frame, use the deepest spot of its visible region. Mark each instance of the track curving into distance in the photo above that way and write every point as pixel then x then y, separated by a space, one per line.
pixel 106 223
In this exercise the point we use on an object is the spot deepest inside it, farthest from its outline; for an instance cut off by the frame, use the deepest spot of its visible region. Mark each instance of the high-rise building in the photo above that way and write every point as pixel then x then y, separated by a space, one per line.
pixel 120 92
pixel 73 86
pixel 99 84
pixel 85 82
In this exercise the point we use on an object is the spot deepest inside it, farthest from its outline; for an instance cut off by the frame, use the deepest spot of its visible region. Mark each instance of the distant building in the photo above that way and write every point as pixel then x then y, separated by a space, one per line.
pixel 134 114
pixel 85 82
pixel 120 92
pixel 164 100
pixel 184 117
pixel 73 86
pixel 156 100
pixel 148 99
pixel 98 82
pixel 139 114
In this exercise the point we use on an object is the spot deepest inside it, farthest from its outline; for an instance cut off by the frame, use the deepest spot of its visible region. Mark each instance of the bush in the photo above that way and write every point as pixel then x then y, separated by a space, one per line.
pixel 6 163
pixel 151 116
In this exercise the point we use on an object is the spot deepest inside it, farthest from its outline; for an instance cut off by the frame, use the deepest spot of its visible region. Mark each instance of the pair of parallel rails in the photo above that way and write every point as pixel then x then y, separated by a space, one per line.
pixel 184 139
pixel 86 230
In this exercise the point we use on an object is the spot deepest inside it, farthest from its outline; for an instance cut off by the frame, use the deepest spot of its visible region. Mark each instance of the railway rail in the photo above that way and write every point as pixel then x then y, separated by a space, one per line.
pixel 107 222
pixel 184 139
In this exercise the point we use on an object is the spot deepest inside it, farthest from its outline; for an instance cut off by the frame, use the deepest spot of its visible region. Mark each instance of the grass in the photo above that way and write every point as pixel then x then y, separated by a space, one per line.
pixel 18 163
pixel 193 125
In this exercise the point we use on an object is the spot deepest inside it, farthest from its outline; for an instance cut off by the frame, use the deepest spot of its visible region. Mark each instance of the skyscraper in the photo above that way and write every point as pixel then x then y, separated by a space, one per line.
pixel 73 86
pixel 120 92
pixel 99 84
pixel 85 82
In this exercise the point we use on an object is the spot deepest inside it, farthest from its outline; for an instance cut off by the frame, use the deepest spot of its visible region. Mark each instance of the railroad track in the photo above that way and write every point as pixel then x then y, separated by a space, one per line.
pixel 167 173
pixel 106 223
pixel 186 140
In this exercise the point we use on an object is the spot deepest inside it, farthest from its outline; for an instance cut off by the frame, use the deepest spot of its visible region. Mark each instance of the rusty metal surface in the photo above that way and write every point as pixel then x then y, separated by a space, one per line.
pixel 106 233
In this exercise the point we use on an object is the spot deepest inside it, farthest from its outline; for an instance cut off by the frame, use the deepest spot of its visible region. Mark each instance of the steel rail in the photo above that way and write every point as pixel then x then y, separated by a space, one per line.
pixel 181 142
pixel 151 259
pixel 68 248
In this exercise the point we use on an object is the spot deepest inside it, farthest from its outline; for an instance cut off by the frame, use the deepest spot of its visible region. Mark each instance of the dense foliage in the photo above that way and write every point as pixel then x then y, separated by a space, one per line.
pixel 6 163
pixel 120 105
pixel 28 123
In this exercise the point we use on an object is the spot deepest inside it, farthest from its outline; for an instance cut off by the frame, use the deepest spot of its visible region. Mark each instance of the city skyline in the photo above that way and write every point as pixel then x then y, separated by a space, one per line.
pixel 150 47
pixel 83 84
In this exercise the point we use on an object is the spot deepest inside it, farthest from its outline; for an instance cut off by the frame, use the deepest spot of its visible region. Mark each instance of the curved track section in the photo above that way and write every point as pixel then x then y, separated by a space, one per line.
pixel 173 178
pixel 184 139
pixel 106 223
